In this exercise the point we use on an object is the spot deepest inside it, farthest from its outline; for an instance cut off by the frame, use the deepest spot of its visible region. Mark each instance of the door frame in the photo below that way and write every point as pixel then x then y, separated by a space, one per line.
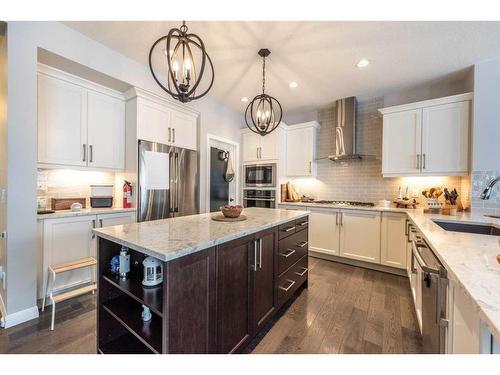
pixel 215 141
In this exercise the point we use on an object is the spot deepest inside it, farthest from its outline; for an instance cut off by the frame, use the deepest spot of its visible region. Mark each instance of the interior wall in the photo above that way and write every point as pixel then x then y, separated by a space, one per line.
pixel 24 40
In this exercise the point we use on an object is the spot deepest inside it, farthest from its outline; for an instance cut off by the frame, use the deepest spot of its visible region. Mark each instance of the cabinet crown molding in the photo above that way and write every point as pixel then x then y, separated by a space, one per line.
pixel 281 126
pixel 301 125
pixel 136 92
pixel 427 103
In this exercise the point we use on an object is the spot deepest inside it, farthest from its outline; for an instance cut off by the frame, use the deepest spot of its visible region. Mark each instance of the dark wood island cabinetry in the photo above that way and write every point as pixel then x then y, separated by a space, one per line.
pixel 213 300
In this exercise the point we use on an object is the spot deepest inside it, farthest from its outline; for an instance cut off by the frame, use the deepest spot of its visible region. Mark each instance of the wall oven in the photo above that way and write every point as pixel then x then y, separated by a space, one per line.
pixel 259 198
pixel 260 175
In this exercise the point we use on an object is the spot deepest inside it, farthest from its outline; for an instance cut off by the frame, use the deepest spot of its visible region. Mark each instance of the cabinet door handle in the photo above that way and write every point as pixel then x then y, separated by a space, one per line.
pixel 255 255
pixel 292 283
pixel 286 255
pixel 337 218
pixel 310 167
pixel 302 244
pixel 301 273
pixel 91 154
pixel 93 226
pixel 100 223
pixel 423 161
pixel 84 152
pixel 341 219
pixel 173 135
pixel 302 224
pixel 260 252
pixel 418 161
pixel 289 229
pixel 170 134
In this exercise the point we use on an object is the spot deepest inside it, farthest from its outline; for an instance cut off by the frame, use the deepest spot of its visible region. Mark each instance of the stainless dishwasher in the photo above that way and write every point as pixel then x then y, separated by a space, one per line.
pixel 434 285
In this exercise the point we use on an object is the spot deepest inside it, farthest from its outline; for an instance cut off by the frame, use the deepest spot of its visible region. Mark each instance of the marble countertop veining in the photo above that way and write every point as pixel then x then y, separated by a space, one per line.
pixel 84 212
pixel 173 238
pixel 470 260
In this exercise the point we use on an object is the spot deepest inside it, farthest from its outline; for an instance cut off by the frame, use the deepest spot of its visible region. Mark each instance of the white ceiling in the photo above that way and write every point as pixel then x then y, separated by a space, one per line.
pixel 320 56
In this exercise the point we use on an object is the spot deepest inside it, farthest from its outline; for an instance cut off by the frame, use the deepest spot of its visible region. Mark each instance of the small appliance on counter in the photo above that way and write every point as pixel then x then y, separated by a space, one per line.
pixel 101 196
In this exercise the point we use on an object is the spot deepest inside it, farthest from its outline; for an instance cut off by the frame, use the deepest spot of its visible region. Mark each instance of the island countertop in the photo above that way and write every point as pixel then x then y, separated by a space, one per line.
pixel 173 238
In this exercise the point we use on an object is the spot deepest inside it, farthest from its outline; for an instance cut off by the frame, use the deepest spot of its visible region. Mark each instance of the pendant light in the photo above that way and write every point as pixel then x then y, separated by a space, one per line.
pixel 185 66
pixel 263 113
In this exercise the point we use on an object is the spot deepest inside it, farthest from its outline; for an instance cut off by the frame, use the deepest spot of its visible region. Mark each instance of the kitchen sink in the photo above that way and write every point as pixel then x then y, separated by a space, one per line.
pixel 469 228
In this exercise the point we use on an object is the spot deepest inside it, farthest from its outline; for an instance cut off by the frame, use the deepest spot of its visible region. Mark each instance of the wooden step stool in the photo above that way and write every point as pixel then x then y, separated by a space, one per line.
pixel 55 269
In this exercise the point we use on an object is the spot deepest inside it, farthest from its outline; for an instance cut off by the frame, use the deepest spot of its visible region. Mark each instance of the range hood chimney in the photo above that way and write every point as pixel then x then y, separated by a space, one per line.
pixel 344 132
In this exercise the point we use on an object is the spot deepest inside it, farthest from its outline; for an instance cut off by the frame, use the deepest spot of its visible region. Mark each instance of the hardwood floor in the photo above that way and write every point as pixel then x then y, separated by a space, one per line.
pixel 345 309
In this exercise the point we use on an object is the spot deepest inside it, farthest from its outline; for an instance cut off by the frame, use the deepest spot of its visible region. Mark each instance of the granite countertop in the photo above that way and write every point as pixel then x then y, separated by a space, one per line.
pixel 173 238
pixel 343 206
pixel 84 212
pixel 470 260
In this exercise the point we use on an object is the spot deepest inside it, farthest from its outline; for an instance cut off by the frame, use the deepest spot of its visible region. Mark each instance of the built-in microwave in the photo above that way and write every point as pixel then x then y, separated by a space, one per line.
pixel 260 175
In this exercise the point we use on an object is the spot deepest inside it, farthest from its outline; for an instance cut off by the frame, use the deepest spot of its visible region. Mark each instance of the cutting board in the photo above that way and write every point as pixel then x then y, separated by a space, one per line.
pixel 65 203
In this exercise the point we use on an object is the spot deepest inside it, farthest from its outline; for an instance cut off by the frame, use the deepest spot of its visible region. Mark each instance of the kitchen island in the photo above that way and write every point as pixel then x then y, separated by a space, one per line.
pixel 222 281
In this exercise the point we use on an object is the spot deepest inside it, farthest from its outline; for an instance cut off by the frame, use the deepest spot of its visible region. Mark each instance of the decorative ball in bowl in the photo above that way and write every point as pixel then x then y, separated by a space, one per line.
pixel 231 211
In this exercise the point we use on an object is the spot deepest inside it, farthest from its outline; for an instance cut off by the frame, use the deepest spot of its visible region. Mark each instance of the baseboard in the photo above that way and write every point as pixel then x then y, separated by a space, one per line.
pixel 22 316
pixel 358 263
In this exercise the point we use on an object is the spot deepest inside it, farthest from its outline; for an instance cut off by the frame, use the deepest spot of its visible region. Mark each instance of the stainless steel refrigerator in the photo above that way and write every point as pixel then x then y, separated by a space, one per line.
pixel 168 182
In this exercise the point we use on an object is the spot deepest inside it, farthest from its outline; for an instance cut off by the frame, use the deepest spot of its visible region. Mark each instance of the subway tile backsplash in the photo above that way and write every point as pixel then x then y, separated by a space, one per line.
pixel 361 180
pixel 479 181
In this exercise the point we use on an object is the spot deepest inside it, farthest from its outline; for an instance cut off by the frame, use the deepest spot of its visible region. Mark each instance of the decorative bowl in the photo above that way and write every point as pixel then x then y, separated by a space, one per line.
pixel 231 211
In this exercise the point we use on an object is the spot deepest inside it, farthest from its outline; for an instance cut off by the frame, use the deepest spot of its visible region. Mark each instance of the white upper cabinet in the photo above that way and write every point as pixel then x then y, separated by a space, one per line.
pixel 393 240
pixel 360 235
pixel 260 148
pixel 427 138
pixel 79 123
pixel 445 138
pixel 157 120
pixel 401 137
pixel 301 150
pixel 62 122
pixel 106 131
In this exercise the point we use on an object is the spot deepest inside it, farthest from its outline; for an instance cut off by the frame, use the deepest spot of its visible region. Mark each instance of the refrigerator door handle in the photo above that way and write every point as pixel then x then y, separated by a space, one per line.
pixel 177 168
pixel 171 190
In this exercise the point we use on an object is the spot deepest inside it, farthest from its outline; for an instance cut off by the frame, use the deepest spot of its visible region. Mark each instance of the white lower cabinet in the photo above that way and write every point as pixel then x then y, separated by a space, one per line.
pixel 393 240
pixel 418 293
pixel 70 238
pixel 360 235
pixel 324 231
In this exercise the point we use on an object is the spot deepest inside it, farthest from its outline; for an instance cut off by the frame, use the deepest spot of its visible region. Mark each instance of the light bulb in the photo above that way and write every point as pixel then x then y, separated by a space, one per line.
pixel 187 64
pixel 175 68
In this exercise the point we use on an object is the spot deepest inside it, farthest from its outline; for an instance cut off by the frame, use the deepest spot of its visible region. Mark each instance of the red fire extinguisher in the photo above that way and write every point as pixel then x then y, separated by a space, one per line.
pixel 127 194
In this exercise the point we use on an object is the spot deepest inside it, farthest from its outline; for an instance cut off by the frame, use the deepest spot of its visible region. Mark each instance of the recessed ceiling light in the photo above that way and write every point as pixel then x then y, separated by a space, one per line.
pixel 363 63
pixel 293 84
pixel 244 99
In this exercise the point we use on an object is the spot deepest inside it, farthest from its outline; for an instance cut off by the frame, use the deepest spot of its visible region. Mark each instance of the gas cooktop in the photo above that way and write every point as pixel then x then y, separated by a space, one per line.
pixel 345 203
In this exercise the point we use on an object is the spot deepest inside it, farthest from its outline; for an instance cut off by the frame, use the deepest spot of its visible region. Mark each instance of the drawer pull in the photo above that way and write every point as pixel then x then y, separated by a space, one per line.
pixel 303 223
pixel 302 273
pixel 289 229
pixel 292 283
pixel 290 252
pixel 302 244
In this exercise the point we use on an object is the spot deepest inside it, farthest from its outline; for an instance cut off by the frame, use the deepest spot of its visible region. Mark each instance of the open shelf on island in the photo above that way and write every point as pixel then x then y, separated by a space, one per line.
pixel 149 296
pixel 128 312
pixel 125 344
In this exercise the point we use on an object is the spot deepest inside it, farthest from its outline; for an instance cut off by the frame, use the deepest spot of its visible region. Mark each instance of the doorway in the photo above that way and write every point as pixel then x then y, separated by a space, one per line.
pixel 223 157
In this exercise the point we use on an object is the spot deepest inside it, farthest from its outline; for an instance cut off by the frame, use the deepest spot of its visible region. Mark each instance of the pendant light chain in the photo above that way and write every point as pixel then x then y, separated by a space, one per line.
pixel 264 75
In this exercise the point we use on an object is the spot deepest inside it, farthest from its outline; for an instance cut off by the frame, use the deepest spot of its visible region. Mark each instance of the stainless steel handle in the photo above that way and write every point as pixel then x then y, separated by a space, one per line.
pixel 416 254
pixel 258 199
pixel 173 135
pixel 100 223
pixel 341 219
pixel 260 252
pixel 257 150
pixel 84 152
pixel 93 226
pixel 91 154
pixel 303 244
pixel 170 134
pixel 301 273
pixel 292 283
pixel 423 161
pixel 172 176
pixel 406 227
pixel 310 167
pixel 289 229
pixel 304 223
pixel 337 218
pixel 290 252
pixel 255 255
pixel 177 169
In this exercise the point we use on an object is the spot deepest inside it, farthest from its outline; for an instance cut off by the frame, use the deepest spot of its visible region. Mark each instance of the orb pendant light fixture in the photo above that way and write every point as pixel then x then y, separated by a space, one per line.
pixel 187 65
pixel 263 113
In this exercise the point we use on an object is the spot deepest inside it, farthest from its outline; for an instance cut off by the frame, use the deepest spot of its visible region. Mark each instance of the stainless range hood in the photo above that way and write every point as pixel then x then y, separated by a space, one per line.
pixel 345 130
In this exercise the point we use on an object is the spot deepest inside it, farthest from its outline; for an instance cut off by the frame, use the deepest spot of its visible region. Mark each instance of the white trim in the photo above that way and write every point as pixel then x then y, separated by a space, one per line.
pixel 136 92
pixel 236 160
pixel 21 317
pixel 62 75
pixel 301 125
pixel 427 103
pixel 282 126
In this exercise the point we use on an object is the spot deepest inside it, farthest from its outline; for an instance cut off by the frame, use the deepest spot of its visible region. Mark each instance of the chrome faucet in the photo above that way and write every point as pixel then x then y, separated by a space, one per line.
pixel 486 192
